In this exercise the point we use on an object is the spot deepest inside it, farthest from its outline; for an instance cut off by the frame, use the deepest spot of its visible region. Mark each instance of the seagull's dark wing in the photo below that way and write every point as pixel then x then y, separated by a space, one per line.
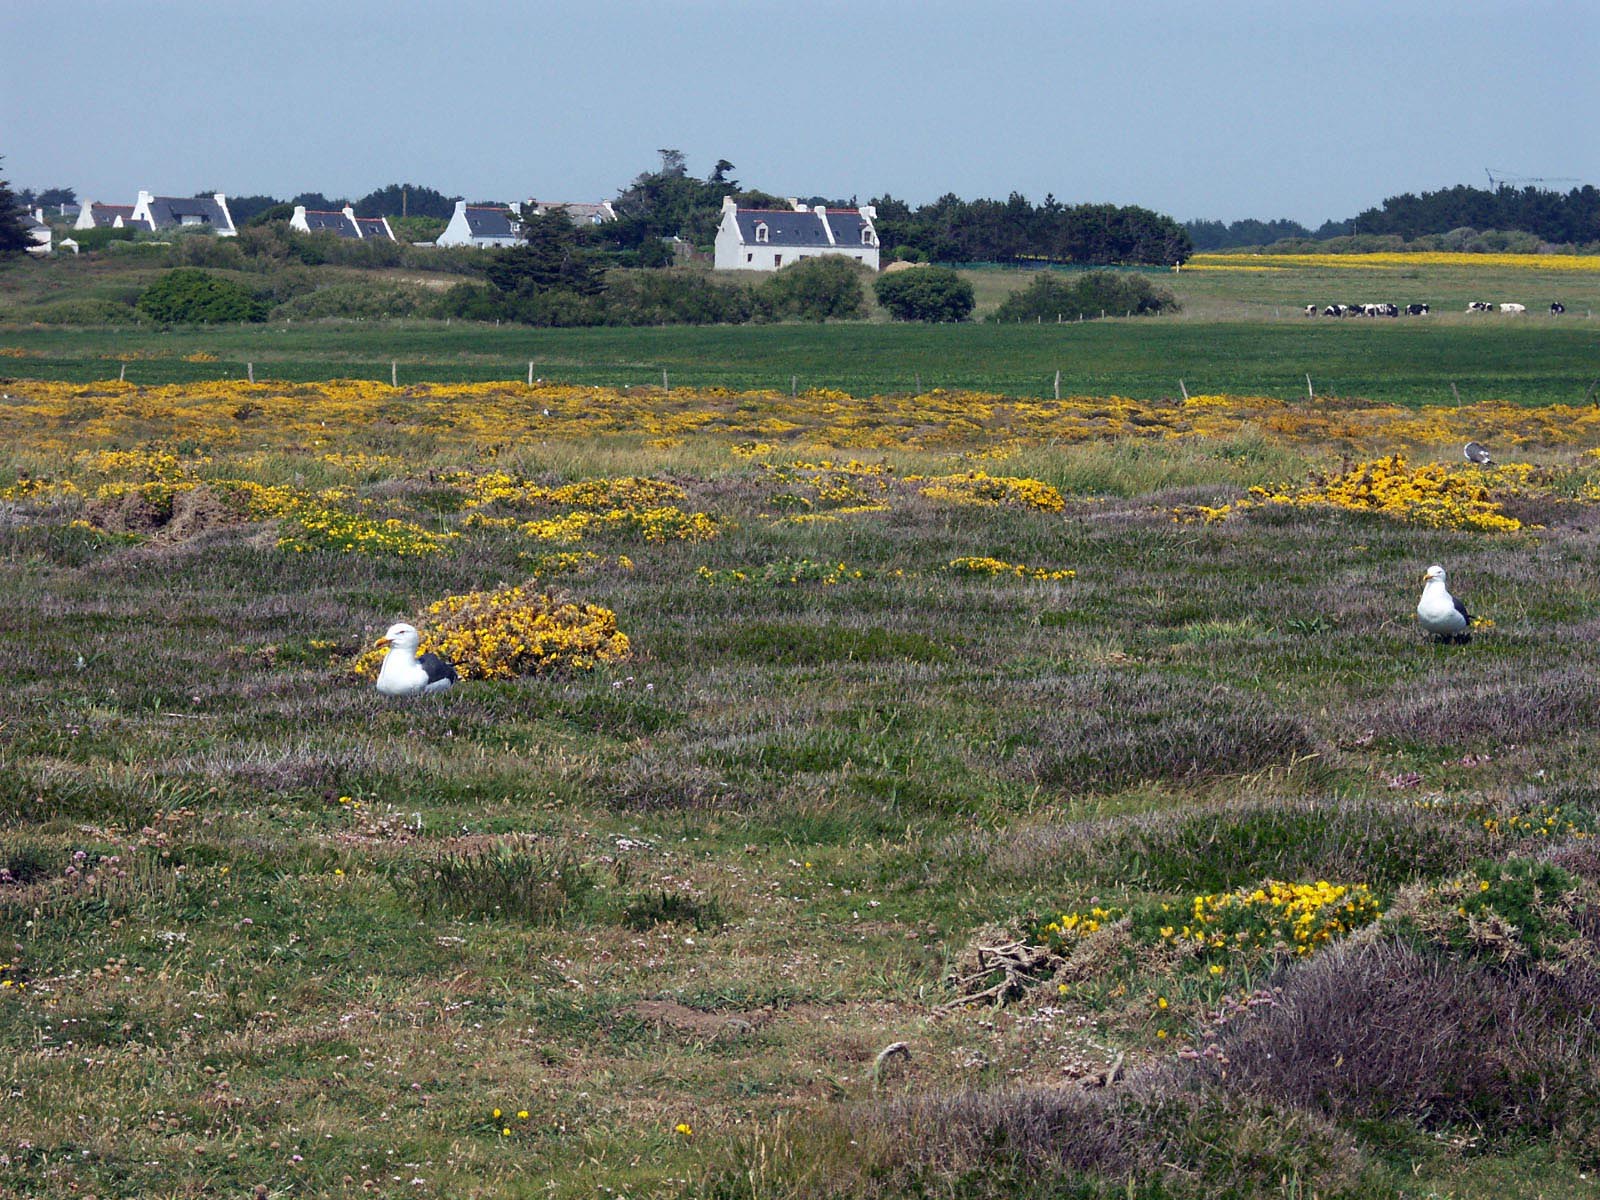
pixel 438 669
pixel 1460 608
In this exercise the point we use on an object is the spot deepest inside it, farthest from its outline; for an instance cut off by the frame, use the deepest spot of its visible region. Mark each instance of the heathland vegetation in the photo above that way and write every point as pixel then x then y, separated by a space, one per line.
pixel 881 795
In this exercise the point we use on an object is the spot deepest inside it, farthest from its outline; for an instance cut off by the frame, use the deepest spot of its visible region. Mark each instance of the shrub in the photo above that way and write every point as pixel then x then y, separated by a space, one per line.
pixel 934 294
pixel 188 296
pixel 1090 295
pixel 670 297
pixel 824 288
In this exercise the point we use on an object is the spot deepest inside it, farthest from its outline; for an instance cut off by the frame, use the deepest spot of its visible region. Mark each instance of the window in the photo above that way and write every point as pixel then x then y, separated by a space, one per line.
pixel 777 260
pixel 761 231
pixel 749 258
pixel 868 238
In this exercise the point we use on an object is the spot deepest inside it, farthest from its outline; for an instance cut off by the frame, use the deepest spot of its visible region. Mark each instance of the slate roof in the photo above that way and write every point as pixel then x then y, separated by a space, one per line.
pixel 374 227
pixel 168 211
pixel 490 222
pixel 847 224
pixel 330 222
pixel 107 214
pixel 784 227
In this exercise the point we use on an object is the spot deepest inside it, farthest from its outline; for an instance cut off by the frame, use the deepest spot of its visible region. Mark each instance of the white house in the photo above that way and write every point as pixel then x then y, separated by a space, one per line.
pixel 344 224
pixel 175 212
pixel 482 226
pixel 101 216
pixel 39 231
pixel 764 239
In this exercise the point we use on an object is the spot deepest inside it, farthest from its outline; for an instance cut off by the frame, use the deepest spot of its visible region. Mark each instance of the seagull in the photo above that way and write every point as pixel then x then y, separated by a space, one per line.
pixel 1441 614
pixel 1477 452
pixel 404 672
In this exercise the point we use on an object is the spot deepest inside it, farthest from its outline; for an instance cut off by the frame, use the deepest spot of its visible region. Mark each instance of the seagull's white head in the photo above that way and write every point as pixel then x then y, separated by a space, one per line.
pixel 1435 572
pixel 402 637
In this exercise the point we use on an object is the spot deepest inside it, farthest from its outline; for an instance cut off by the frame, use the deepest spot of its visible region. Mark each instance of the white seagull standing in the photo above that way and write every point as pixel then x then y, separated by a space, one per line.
pixel 1440 613
pixel 1477 452
pixel 404 672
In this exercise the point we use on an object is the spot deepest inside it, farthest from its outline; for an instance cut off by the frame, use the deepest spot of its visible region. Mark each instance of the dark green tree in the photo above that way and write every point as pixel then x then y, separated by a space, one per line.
pixel 554 256
pixel 412 199
pixel 934 294
pixel 14 236
pixel 1052 295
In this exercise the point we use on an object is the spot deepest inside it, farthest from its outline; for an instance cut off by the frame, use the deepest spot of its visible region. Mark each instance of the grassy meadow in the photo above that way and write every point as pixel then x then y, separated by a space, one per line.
pixel 990 796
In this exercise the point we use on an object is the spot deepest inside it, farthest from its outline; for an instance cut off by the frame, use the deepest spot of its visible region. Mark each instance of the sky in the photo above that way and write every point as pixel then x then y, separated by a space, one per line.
pixel 1196 109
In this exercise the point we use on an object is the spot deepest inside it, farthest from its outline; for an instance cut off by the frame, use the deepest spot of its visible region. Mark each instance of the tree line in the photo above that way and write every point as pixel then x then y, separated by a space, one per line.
pixel 1557 218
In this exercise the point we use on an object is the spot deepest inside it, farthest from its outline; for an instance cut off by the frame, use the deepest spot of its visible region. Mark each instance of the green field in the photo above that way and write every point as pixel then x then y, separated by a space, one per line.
pixel 1239 332
pixel 1407 363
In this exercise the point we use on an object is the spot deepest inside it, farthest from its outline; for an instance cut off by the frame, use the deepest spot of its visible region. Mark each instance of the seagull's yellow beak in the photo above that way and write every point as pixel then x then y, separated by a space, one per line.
pixel 383 641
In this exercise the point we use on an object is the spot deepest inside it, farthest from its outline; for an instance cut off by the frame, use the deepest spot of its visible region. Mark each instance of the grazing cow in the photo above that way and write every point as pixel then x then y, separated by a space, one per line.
pixel 1479 306
pixel 1557 308
pixel 1333 310
pixel 1513 308
pixel 1391 310
pixel 1416 310
pixel 1311 310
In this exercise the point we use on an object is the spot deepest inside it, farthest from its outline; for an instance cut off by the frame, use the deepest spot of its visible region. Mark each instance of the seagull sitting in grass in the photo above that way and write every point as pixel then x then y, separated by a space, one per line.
pixel 404 672
pixel 1477 452
pixel 1441 614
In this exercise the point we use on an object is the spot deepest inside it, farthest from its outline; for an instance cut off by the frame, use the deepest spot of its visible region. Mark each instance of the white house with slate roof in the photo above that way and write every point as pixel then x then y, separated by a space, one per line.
pixel 184 212
pixel 479 225
pixel 344 224
pixel 765 239
pixel 98 216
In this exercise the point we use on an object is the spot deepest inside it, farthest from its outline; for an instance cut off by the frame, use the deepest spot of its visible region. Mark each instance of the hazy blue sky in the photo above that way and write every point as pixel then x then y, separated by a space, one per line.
pixel 1196 109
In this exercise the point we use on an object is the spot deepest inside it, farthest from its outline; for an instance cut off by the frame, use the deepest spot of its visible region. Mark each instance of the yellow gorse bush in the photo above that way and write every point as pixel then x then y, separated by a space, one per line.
pixel 667 524
pixel 991 491
pixel 514 631
pixel 1431 494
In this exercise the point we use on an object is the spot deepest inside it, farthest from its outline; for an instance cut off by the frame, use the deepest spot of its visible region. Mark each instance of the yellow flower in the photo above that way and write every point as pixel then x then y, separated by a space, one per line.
pixel 682 1128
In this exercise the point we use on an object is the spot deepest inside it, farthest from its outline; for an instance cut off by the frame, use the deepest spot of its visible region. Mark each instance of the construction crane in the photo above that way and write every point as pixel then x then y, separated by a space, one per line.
pixel 1507 177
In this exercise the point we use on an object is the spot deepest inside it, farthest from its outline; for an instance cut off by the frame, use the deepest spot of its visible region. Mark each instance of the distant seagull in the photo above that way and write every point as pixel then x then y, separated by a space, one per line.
pixel 1441 614
pixel 1477 452
pixel 404 672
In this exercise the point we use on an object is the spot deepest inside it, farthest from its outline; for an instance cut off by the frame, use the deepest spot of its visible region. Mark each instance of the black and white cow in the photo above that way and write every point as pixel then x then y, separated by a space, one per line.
pixel 1333 310
pixel 1416 310
pixel 1311 310
pixel 1480 306
pixel 1557 308
pixel 1514 309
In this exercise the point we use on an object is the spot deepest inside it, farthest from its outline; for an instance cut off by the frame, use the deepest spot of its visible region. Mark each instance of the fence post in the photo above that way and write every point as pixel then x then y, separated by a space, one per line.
pixel 250 368
pixel 794 386
pixel 1183 389
pixel 530 373
pixel 394 373
pixel 664 386
pixel 1058 383
pixel 1310 395
pixel 122 373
